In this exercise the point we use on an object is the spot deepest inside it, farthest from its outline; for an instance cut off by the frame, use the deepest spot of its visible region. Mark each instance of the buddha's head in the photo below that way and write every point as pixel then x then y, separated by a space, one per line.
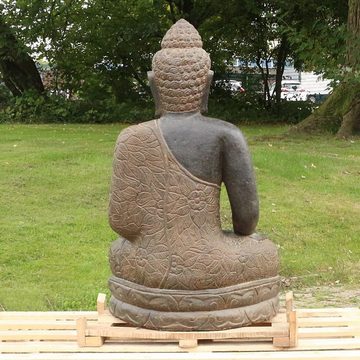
pixel 181 75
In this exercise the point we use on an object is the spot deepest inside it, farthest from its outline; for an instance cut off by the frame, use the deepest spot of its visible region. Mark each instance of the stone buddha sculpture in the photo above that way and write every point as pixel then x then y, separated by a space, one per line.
pixel 173 266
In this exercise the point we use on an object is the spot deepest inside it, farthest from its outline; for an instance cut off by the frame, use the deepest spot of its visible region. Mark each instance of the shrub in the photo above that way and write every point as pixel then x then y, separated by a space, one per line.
pixel 5 96
pixel 32 108
pixel 239 108
pixel 248 107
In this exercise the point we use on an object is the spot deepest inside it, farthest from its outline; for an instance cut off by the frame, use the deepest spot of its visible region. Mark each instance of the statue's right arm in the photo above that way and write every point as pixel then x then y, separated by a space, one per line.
pixel 119 206
pixel 239 179
pixel 114 203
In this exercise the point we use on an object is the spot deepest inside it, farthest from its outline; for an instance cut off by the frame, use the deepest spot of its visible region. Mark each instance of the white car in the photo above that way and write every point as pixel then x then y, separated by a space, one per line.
pixel 234 86
pixel 291 90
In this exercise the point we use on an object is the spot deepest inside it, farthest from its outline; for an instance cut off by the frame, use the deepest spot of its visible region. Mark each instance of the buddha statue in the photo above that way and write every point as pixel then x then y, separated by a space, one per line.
pixel 173 266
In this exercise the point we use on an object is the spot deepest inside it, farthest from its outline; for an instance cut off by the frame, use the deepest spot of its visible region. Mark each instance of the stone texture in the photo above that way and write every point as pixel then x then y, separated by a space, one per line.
pixel 173 266
pixel 181 68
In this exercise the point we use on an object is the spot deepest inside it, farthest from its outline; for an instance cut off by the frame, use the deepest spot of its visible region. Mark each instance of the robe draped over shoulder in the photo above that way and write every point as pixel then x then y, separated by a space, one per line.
pixel 172 258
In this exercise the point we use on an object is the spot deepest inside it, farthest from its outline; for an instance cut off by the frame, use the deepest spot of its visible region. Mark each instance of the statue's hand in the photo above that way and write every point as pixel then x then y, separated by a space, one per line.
pixel 258 237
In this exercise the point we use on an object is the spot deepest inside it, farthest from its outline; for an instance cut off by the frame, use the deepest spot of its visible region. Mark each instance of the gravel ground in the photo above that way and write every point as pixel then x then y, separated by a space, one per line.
pixel 324 296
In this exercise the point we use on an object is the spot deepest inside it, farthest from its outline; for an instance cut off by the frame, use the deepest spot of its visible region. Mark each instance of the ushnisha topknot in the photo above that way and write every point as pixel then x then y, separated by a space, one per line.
pixel 181 69
pixel 181 35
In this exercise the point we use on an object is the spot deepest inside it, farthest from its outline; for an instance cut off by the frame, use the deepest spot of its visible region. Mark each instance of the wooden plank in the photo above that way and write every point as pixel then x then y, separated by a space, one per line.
pixel 126 333
pixel 59 346
pixel 328 321
pixel 37 325
pixel 298 355
pixel 81 331
pixel 327 312
pixel 328 344
pixel 11 335
pixel 328 332
pixel 289 303
pixel 107 318
pixel 281 342
pixel 47 315
pixel 293 328
pixel 320 331
pixel 70 347
pixel 188 343
pixel 94 341
pixel 284 340
pixel 101 303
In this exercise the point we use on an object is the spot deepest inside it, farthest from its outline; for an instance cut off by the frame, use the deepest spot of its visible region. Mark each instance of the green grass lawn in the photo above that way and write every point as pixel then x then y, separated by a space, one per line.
pixel 54 235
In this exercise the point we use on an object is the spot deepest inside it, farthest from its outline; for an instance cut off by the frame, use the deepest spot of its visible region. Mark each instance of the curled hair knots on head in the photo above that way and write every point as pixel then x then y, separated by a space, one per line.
pixel 181 68
pixel 181 35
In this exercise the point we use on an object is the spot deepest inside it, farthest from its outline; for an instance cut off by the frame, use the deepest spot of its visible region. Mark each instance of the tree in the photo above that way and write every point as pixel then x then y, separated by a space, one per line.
pixel 351 119
pixel 17 68
pixel 95 48
pixel 340 113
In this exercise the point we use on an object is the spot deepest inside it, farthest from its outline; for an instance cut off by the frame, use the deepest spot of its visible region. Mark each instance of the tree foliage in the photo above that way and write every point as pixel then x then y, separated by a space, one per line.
pixel 341 58
pixel 17 68
pixel 96 50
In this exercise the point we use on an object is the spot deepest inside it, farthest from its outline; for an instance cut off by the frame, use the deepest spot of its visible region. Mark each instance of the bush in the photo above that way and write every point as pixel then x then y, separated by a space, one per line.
pixel 240 108
pixel 32 108
pixel 248 107
pixel 292 112
pixel 5 96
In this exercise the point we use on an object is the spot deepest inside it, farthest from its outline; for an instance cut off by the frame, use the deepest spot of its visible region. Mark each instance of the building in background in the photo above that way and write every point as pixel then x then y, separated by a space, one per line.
pixel 313 87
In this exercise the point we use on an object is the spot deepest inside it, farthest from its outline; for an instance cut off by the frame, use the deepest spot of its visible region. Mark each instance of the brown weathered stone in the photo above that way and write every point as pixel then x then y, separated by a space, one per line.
pixel 173 266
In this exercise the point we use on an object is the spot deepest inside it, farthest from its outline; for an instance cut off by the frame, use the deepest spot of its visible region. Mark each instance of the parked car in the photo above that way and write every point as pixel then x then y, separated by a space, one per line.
pixel 317 98
pixel 291 90
pixel 235 86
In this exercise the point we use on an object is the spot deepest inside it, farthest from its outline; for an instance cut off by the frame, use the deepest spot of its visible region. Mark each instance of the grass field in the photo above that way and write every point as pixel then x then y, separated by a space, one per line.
pixel 54 235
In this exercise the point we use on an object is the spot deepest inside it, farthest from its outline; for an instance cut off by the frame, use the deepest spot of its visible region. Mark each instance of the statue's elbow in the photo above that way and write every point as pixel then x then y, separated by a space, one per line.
pixel 114 216
pixel 113 224
pixel 247 224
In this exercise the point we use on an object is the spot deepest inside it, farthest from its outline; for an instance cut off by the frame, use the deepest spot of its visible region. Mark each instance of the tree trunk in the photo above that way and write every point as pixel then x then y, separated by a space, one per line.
pixel 351 121
pixel 340 113
pixel 265 79
pixel 16 66
pixel 353 27
pixel 280 66
pixel 329 116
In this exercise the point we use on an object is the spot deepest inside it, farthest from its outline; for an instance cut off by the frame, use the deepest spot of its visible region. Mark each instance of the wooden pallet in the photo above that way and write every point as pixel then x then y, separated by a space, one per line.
pixel 322 334
pixel 281 331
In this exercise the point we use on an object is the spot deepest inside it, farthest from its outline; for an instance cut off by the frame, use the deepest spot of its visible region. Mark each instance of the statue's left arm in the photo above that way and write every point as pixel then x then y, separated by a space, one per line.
pixel 239 179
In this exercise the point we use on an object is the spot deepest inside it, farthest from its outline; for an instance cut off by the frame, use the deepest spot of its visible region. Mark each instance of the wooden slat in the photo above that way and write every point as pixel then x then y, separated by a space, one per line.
pixel 37 335
pixel 298 355
pixel 107 318
pixel 37 325
pixel 323 334
pixel 52 346
pixel 101 303
pixel 127 333
pixel 81 329
pixel 329 332
pixel 289 302
pixel 328 321
pixel 328 344
pixel 327 312
pixel 47 315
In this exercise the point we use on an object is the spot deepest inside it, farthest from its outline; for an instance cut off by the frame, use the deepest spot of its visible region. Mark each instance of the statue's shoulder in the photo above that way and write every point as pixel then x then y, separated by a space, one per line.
pixel 136 129
pixel 225 128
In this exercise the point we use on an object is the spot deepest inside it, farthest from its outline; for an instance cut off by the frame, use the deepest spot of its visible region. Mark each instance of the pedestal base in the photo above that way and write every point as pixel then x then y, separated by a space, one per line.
pixel 223 308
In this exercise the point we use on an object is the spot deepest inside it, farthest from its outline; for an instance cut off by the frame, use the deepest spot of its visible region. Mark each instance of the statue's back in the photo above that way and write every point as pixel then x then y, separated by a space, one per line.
pixel 173 266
